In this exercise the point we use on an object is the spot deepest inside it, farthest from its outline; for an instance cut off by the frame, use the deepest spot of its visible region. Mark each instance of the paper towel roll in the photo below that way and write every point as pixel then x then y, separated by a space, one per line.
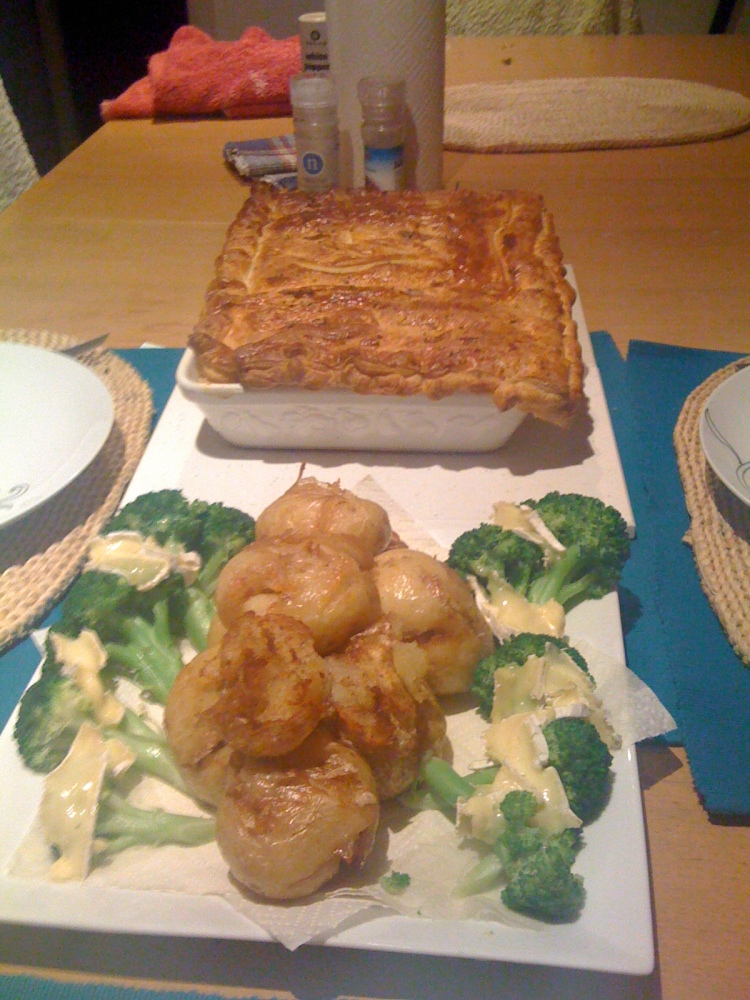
pixel 395 38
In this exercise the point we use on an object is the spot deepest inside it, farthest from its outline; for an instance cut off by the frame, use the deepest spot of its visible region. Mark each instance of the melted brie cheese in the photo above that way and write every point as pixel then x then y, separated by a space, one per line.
pixel 141 561
pixel 508 612
pixel 526 699
pixel 525 521
pixel 70 802
pixel 569 690
pixel 119 756
pixel 81 660
pixel 519 688
pixel 480 816
pixel 514 743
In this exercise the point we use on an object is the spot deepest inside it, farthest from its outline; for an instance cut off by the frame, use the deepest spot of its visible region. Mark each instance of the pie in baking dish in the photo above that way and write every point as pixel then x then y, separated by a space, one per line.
pixel 394 293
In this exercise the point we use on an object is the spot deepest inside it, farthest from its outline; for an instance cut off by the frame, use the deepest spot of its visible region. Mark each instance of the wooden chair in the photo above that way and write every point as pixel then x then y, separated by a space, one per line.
pixel 17 168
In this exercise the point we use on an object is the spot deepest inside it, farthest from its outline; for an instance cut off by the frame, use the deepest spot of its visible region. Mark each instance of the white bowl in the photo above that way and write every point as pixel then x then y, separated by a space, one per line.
pixel 340 419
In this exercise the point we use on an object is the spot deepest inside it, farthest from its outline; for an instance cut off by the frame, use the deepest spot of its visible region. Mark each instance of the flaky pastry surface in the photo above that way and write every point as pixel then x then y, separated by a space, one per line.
pixel 394 293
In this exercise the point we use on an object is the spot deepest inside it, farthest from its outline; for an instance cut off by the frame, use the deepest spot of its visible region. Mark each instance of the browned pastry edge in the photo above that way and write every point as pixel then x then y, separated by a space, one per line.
pixel 418 293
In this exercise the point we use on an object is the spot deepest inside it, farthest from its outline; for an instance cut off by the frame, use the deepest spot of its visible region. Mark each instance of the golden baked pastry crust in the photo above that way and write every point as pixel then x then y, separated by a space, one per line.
pixel 433 293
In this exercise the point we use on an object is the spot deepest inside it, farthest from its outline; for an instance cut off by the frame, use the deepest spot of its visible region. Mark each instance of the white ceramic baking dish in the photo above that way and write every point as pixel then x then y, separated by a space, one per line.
pixel 338 419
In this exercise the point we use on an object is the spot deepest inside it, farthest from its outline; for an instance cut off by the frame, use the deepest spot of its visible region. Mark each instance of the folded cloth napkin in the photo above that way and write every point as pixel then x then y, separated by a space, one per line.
pixel 260 157
pixel 247 78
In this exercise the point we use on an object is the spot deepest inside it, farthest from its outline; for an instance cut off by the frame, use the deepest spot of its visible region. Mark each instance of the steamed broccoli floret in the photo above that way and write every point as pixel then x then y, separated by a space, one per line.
pixel 120 825
pixel 395 882
pixel 164 515
pixel 95 599
pixel 541 883
pixel 489 551
pixel 514 652
pixel 215 531
pixel 225 530
pixel 596 549
pixel 518 838
pixel 535 865
pixel 583 761
pixel 50 713
pixel 134 626
pixel 54 708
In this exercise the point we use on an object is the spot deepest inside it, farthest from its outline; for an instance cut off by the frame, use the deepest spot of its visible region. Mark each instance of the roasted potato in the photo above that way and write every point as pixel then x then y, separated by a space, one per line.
pixel 285 826
pixel 428 603
pixel 312 580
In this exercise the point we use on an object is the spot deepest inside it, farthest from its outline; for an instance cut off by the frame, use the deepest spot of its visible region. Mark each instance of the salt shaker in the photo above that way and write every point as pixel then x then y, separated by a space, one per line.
pixel 383 105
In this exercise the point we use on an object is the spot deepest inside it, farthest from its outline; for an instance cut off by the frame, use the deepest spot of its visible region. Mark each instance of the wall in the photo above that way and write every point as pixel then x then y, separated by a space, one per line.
pixel 228 18
pixel 688 17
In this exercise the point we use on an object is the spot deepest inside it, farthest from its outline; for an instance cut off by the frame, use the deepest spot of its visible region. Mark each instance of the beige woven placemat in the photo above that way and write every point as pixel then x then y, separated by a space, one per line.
pixel 42 552
pixel 719 521
pixel 527 116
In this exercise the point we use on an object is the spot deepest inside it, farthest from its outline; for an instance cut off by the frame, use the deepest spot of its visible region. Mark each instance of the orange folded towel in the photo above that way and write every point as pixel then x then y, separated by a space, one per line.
pixel 248 78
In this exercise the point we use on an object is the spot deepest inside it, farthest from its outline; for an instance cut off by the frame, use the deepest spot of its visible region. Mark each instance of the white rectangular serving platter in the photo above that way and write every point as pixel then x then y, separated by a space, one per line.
pixel 614 933
pixel 445 494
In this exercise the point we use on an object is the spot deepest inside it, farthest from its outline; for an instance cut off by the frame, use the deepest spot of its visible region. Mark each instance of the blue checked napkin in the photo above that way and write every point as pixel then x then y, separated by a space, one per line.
pixel 273 159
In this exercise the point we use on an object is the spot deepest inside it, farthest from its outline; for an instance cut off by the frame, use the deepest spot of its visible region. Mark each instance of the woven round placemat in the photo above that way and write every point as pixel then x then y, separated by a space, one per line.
pixel 42 552
pixel 719 521
pixel 527 116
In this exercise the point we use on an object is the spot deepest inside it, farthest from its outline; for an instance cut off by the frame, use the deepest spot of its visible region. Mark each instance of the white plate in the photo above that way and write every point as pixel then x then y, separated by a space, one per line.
pixel 725 433
pixel 56 416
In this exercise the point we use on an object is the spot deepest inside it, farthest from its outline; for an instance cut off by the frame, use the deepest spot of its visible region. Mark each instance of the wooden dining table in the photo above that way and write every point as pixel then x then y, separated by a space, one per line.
pixel 121 238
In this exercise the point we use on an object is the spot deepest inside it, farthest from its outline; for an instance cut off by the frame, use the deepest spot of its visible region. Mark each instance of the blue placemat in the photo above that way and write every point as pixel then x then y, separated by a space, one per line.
pixel 645 642
pixel 157 366
pixel 673 639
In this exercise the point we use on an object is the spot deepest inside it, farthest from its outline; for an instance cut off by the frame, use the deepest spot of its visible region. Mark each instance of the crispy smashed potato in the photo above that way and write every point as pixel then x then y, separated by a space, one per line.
pixel 194 733
pixel 216 631
pixel 384 709
pixel 311 509
pixel 273 686
pixel 429 603
pixel 261 691
pixel 312 580
pixel 285 826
